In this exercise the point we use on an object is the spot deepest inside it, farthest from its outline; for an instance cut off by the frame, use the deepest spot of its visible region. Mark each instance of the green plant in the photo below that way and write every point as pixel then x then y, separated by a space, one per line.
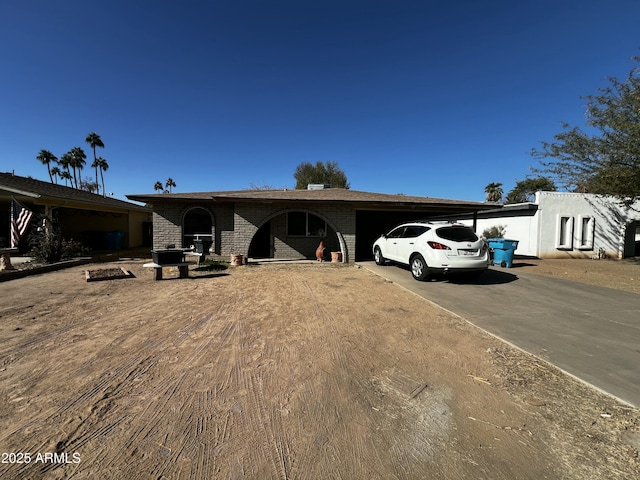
pixel 496 231
pixel 53 248
pixel 48 245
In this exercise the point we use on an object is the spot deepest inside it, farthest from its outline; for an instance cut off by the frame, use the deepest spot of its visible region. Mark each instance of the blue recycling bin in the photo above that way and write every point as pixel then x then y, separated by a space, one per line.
pixel 503 251
pixel 114 240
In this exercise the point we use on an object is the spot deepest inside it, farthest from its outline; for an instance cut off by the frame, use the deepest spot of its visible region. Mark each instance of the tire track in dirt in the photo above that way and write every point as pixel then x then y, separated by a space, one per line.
pixel 184 448
pixel 397 400
pixel 166 393
pixel 101 397
pixel 346 378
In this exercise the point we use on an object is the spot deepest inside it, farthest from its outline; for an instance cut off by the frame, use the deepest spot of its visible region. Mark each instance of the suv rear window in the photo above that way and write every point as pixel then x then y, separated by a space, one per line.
pixel 457 234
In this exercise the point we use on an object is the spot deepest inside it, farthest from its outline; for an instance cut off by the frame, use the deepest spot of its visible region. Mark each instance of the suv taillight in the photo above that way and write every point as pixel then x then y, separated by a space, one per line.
pixel 438 246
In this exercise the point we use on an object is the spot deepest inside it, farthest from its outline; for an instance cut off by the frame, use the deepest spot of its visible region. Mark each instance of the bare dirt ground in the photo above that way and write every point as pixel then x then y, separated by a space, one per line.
pixel 310 371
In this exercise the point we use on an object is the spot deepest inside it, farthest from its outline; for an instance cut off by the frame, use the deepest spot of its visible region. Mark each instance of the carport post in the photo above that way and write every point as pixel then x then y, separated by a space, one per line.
pixel 475 220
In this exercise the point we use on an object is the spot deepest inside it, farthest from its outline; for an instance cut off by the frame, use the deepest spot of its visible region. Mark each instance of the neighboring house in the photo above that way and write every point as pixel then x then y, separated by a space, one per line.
pixel 568 225
pixel 287 224
pixel 87 217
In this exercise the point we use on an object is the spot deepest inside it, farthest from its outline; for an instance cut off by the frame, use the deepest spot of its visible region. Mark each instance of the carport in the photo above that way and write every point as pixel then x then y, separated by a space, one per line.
pixel 374 220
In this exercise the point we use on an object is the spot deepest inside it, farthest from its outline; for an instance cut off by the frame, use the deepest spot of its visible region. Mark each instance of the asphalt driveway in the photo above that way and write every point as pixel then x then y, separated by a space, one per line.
pixel 593 333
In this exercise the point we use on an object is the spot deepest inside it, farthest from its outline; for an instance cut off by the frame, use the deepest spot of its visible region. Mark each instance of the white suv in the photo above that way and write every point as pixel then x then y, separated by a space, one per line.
pixel 432 247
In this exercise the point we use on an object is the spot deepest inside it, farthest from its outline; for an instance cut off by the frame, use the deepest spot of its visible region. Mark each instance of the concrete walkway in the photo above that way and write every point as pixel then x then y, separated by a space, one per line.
pixel 592 333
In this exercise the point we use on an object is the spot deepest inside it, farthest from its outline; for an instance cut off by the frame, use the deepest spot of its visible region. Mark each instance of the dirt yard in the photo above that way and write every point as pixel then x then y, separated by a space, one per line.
pixel 312 371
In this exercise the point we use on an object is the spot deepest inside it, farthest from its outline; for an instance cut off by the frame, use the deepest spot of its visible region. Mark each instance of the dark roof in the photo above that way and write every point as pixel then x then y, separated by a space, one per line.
pixel 39 191
pixel 326 195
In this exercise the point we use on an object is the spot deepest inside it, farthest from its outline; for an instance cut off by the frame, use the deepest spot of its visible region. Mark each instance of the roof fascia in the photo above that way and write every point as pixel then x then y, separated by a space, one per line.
pixel 62 203
pixel 19 192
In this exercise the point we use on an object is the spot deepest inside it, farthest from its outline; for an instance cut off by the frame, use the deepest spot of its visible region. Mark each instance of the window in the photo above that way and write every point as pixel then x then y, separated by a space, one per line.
pixel 305 224
pixel 396 232
pixel 564 237
pixel 585 232
pixel 197 225
pixel 457 233
pixel 297 223
pixel 413 231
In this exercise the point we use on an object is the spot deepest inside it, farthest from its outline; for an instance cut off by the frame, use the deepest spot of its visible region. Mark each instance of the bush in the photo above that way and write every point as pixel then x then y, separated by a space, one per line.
pixel 51 249
pixel 497 231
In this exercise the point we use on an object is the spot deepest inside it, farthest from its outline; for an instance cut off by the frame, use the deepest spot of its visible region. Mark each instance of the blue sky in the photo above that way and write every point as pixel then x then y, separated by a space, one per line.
pixel 424 97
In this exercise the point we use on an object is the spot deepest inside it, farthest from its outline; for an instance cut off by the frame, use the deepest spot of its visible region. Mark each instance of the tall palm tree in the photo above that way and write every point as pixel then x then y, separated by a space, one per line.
pixel 94 140
pixel 170 183
pixel 494 192
pixel 65 163
pixel 46 157
pixel 158 187
pixel 67 177
pixel 55 173
pixel 103 166
pixel 78 158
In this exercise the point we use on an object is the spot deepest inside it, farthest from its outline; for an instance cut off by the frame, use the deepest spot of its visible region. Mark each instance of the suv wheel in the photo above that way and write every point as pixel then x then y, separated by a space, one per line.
pixel 419 268
pixel 377 256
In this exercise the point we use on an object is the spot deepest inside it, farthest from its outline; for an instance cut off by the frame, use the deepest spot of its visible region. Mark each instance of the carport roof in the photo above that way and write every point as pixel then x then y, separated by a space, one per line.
pixel 43 193
pixel 358 199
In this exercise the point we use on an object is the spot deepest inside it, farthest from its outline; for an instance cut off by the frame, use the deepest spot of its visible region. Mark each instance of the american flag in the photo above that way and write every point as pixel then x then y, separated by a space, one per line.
pixel 20 218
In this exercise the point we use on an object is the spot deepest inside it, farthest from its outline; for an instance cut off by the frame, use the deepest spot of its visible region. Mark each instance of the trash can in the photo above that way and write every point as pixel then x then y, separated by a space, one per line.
pixel 202 247
pixel 110 238
pixel 503 251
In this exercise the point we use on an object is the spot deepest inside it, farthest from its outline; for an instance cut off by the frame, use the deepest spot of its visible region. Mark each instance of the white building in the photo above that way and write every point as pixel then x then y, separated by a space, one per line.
pixel 568 225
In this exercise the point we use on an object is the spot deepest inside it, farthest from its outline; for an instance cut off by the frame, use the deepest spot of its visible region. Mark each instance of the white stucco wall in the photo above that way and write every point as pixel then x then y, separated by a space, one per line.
pixel 568 225
pixel 521 227
pixel 589 224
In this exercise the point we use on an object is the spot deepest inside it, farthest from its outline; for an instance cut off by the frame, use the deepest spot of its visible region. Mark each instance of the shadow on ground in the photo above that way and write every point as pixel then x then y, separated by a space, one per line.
pixel 489 277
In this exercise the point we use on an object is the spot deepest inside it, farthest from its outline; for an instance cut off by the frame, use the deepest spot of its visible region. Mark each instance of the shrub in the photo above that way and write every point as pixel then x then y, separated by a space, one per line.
pixel 497 231
pixel 52 248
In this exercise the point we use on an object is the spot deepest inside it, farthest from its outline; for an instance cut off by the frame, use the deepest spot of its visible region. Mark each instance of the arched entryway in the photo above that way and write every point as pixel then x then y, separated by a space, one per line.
pixel 197 225
pixel 261 245
pixel 295 234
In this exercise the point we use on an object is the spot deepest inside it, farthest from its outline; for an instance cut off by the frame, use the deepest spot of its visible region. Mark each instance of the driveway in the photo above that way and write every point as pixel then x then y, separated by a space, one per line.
pixel 592 333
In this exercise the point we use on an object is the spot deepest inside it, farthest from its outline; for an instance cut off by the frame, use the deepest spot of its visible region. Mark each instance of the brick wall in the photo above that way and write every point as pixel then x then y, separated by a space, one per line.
pixel 234 227
pixel 341 220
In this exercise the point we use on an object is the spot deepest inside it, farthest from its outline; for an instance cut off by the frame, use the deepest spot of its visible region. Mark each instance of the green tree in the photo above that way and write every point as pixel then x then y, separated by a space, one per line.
pixel 103 166
pixel 67 177
pixel 56 173
pixel 328 173
pixel 494 192
pixel 77 161
pixel 605 158
pixel 170 184
pixel 46 157
pixel 94 141
pixel 525 190
pixel 158 187
pixel 65 163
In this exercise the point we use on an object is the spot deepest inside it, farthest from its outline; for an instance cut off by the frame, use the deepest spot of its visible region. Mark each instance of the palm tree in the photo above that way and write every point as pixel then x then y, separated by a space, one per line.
pixel 65 163
pixel 46 157
pixel 103 166
pixel 78 158
pixel 170 183
pixel 67 176
pixel 93 139
pixel 158 187
pixel 494 192
pixel 55 173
